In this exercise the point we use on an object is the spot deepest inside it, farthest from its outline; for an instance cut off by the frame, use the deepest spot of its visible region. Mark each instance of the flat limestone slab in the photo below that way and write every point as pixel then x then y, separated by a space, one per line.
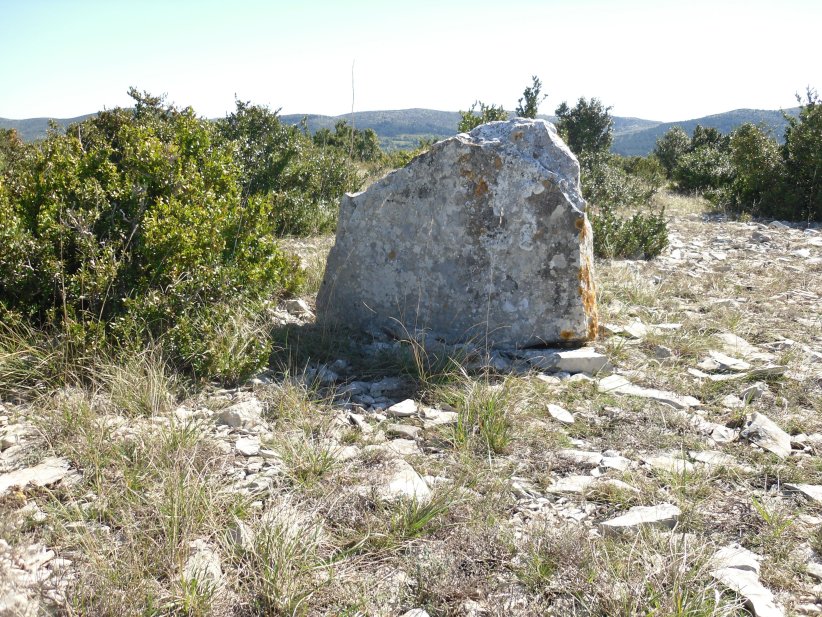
pixel 483 238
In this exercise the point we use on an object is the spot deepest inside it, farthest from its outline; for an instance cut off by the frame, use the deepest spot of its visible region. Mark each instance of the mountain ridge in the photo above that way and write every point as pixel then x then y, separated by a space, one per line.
pixel 404 128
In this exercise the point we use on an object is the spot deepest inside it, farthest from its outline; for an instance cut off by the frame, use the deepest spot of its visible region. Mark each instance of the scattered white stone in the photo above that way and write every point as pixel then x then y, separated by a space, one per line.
pixel 636 329
pixel 712 458
pixel 663 515
pixel 811 491
pixel 727 363
pixel 48 472
pixel 620 463
pixel 617 484
pixel 582 360
pixel 299 308
pixel 571 484
pixel 754 391
pixel 560 414
pixel 402 481
pixel 551 380
pixel 404 409
pixel 736 345
pixel 731 401
pixel 668 463
pixel 416 612
pixel 403 431
pixel 248 446
pixel 437 417
pixel 581 457
pixel 762 431
pixel 242 415
pixel 738 570
pixel 735 556
pixel 620 385
pixel 241 536
pixel 345 453
pixel 814 569
pixel 203 565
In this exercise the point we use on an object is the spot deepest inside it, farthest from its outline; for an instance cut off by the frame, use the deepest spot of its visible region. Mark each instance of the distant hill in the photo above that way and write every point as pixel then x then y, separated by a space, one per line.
pixel 404 128
pixel 33 129
pixel 640 141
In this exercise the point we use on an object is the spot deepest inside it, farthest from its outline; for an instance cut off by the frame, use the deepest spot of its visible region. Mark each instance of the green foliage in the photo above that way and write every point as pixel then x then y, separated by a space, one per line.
pixel 528 105
pixel 135 224
pixel 706 168
pixel 759 171
pixel 637 237
pixel 284 176
pixel 586 127
pixel 802 155
pixel 487 113
pixel 611 183
pixel 609 188
pixel 670 148
pixel 606 181
pixel 362 145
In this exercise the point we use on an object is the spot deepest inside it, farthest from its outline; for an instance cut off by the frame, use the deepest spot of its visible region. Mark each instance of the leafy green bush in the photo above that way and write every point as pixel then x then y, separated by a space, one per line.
pixel 749 172
pixel 641 236
pixel 487 113
pixel 133 225
pixel 281 166
pixel 670 148
pixel 362 145
pixel 605 181
pixel 705 169
pixel 609 188
pixel 586 127
pixel 802 155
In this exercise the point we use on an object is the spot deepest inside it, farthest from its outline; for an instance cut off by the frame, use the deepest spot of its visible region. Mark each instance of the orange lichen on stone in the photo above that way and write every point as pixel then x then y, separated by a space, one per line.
pixel 481 188
pixel 568 335
pixel 587 291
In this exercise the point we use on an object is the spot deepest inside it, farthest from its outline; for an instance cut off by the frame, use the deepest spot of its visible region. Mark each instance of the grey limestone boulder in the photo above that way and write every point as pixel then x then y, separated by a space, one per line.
pixel 483 238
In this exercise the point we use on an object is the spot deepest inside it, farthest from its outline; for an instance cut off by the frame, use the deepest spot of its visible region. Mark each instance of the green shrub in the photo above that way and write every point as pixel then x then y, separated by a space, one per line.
pixel 802 155
pixel 281 166
pixel 605 181
pixel 670 148
pixel 641 236
pixel 608 188
pixel 133 224
pixel 487 113
pixel 705 169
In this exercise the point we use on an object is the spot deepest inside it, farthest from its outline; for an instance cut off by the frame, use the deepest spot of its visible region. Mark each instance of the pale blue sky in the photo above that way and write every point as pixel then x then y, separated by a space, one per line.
pixel 657 60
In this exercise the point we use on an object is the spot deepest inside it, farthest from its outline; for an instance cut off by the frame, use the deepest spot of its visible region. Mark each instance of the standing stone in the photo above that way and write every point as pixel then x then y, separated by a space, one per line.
pixel 482 238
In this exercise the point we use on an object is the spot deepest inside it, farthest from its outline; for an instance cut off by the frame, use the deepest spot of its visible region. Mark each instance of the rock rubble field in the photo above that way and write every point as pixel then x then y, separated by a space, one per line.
pixel 674 462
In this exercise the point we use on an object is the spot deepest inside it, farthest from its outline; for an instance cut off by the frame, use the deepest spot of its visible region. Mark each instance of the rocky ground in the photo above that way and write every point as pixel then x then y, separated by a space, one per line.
pixel 671 468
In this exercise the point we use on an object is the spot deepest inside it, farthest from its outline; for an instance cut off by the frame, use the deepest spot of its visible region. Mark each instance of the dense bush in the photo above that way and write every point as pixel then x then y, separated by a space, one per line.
pixel 609 190
pixel 802 155
pixel 612 185
pixel 282 172
pixel 153 224
pixel 474 117
pixel 361 145
pixel 670 148
pixel 749 172
pixel 640 236
pixel 586 127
